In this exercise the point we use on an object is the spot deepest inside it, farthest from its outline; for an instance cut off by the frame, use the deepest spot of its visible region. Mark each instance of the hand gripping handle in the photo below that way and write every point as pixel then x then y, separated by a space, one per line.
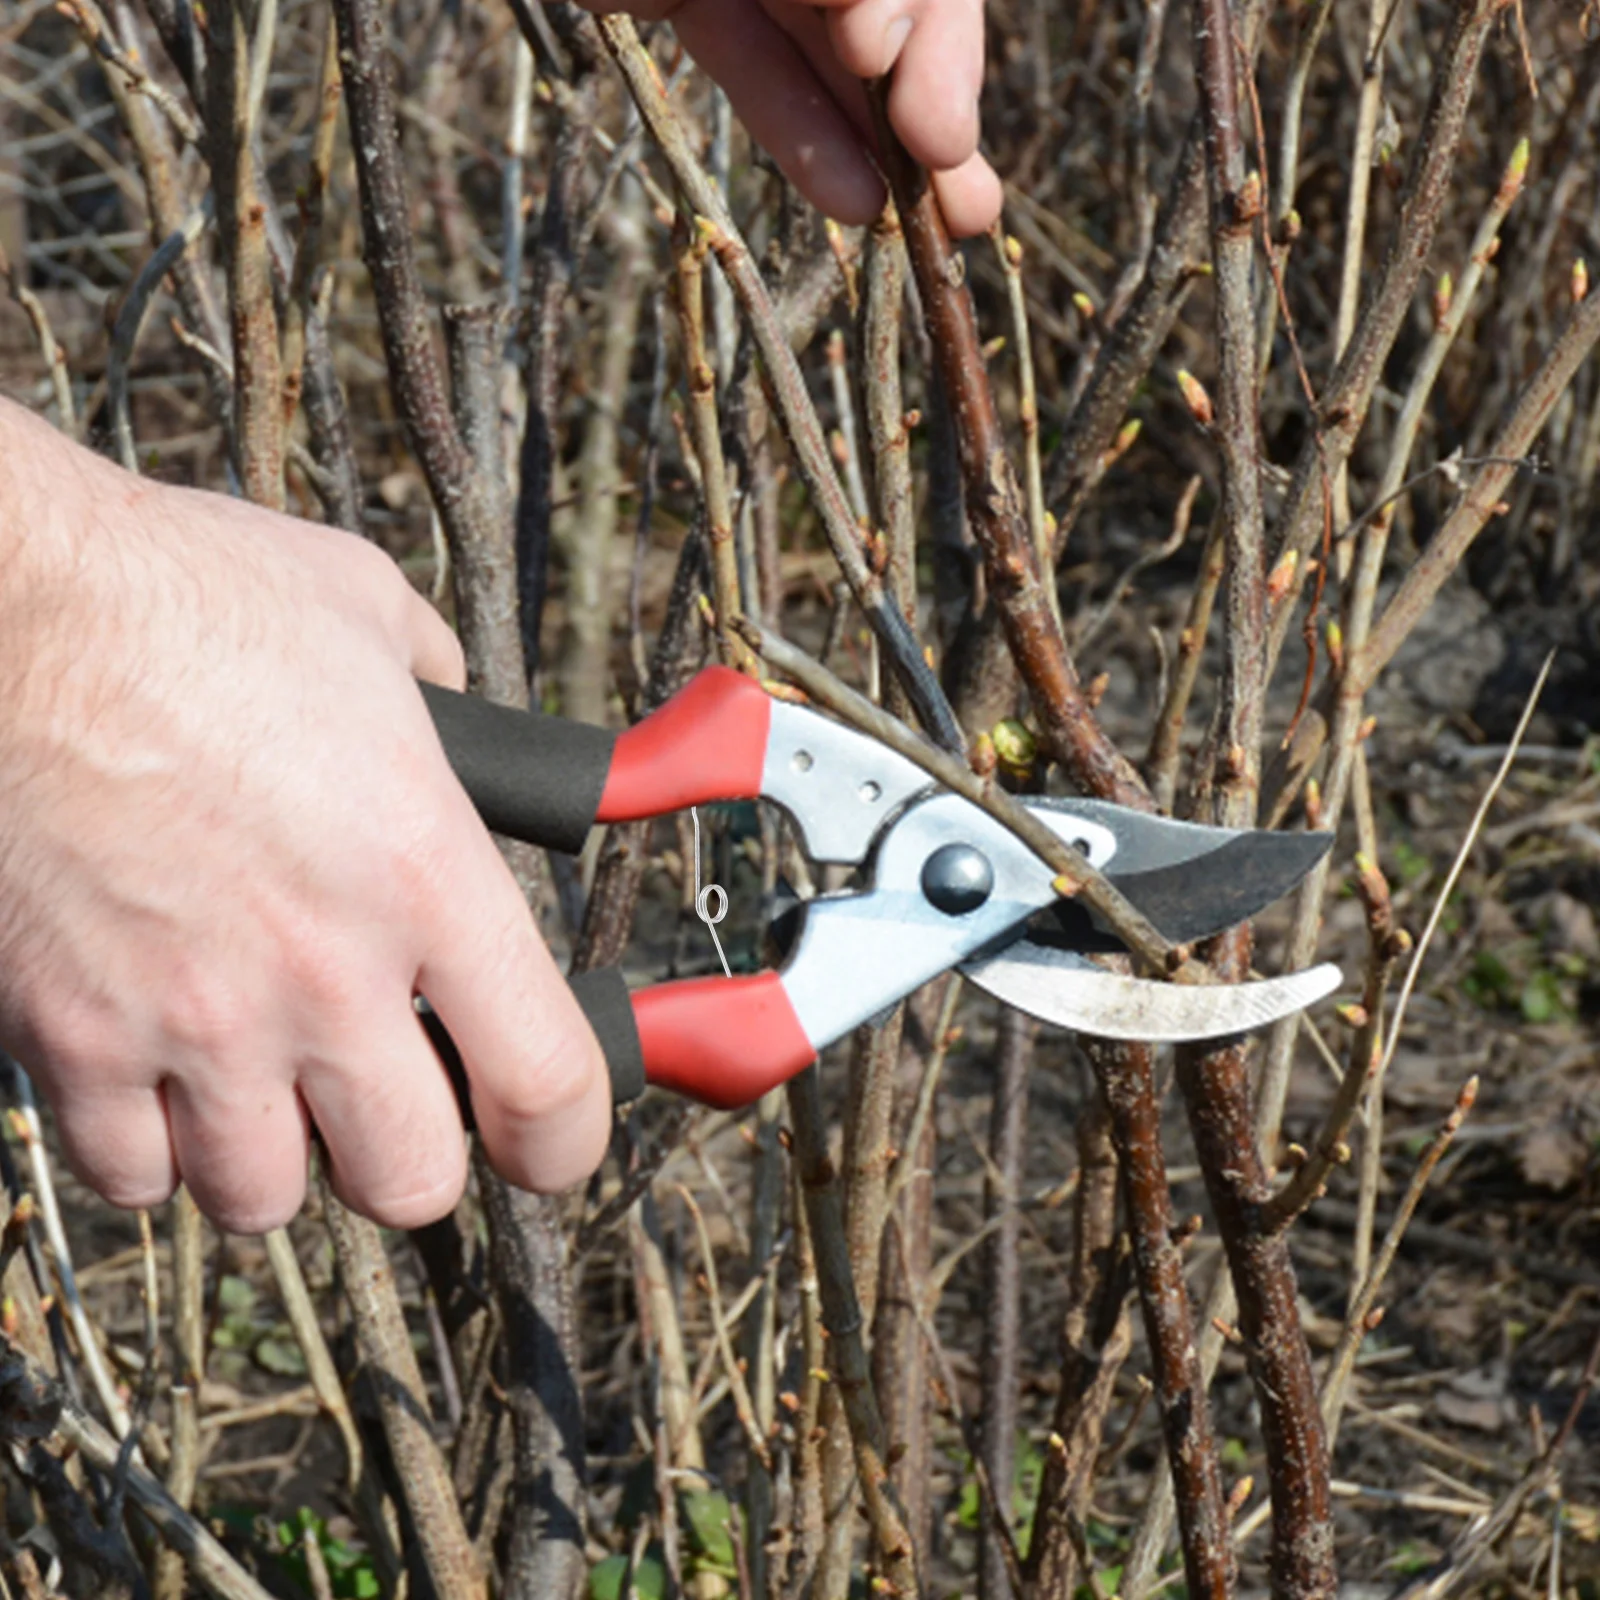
pixel 545 780
pixel 722 1041
pixel 548 781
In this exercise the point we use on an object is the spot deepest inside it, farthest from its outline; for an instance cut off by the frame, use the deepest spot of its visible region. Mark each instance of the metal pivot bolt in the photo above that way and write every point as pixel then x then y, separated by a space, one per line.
pixel 957 879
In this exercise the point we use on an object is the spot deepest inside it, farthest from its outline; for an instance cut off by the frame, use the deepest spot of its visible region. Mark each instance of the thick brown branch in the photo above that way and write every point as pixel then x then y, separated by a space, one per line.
pixel 1128 1083
pixel 996 510
pixel 469 505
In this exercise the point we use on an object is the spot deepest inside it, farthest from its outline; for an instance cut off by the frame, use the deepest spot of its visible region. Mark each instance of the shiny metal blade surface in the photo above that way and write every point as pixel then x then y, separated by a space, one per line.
pixel 1064 988
pixel 1188 879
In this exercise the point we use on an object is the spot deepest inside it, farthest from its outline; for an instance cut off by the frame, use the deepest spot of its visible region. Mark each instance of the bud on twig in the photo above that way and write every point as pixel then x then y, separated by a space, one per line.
pixel 847 266
pixel 1443 293
pixel 1313 804
pixel 1247 203
pixel 1196 398
pixel 786 692
pixel 1512 179
pixel 1119 447
pixel 1281 578
pixel 1015 746
pixel 1238 1495
pixel 1580 281
pixel 1335 638
pixel 983 758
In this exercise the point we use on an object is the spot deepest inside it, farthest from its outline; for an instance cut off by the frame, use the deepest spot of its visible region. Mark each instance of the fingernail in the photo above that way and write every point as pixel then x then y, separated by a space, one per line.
pixel 894 39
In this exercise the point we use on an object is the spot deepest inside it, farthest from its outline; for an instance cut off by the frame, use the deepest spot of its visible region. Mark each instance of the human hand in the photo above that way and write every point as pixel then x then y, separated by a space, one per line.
pixel 231 851
pixel 793 72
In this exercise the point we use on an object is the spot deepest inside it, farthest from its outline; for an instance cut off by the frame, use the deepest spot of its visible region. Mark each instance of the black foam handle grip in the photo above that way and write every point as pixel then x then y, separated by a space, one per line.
pixel 530 776
pixel 603 997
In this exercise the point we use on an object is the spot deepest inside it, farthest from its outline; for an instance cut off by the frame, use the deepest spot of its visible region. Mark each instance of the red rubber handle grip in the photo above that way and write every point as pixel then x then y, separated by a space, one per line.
pixel 721 1041
pixel 708 742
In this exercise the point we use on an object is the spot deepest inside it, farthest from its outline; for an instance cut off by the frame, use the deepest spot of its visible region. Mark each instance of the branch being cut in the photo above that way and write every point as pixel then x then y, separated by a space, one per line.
pixel 1076 879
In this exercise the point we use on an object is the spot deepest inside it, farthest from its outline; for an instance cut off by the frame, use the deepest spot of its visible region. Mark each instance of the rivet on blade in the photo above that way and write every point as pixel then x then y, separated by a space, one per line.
pixel 957 879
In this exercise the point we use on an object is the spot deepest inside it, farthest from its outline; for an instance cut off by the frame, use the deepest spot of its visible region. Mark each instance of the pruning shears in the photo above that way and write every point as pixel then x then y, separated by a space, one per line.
pixel 945 885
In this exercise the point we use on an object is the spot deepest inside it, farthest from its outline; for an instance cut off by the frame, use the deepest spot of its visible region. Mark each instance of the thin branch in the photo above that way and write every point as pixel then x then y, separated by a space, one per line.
pixel 706 429
pixel 97 31
pixel 1009 251
pixel 1386 944
pixel 847 1355
pixel 49 347
pixel 469 505
pixel 130 321
pixel 1344 402
pixel 996 511
pixel 1360 1320
pixel 391 1363
pixel 37 1406
pixel 242 207
pixel 30 1134
pixel 1474 506
pixel 788 385
pixel 742 1405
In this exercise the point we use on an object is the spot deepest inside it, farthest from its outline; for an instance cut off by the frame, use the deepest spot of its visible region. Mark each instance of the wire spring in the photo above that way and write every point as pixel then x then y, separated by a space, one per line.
pixel 704 899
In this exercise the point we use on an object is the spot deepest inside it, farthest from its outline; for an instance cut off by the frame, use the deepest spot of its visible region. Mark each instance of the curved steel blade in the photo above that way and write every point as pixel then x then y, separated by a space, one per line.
pixel 1061 987
pixel 1190 880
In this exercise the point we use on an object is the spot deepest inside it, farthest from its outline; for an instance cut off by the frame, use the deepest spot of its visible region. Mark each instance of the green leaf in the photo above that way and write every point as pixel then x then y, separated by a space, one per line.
pixel 350 1571
pixel 607 1579
pixel 708 1514
pixel 1541 998
pixel 235 1295
pixel 280 1355
pixel 969 1505
pixel 1490 982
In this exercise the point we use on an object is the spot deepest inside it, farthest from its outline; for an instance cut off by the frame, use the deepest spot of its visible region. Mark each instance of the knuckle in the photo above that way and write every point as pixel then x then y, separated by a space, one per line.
pixel 203 1010
pixel 68 1046
pixel 329 984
